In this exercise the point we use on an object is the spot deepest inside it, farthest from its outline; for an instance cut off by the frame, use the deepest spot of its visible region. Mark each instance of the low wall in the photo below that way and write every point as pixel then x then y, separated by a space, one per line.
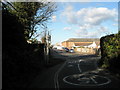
pixel 86 50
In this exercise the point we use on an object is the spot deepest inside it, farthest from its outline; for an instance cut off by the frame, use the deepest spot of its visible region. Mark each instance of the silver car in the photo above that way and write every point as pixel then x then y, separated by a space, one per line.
pixel 71 50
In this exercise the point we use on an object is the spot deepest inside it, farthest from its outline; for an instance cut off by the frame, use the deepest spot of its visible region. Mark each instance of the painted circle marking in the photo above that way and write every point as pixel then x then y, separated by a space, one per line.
pixel 86 80
pixel 70 65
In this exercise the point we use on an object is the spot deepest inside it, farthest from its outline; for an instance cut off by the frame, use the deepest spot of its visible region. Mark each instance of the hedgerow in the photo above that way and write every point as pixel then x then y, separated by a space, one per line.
pixel 110 51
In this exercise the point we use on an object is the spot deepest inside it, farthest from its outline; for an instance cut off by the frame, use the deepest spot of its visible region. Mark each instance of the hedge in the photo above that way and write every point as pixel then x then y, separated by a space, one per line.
pixel 110 51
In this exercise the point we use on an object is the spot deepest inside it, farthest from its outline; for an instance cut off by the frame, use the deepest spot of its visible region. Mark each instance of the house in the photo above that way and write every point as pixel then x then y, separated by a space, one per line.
pixel 83 45
pixel 81 42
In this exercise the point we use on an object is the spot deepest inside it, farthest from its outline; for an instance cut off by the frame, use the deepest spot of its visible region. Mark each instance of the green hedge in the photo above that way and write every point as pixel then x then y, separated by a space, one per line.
pixel 110 51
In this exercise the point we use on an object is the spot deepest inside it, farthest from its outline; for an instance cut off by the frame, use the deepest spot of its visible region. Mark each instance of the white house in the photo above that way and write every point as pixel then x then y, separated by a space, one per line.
pixel 87 45
pixel 93 45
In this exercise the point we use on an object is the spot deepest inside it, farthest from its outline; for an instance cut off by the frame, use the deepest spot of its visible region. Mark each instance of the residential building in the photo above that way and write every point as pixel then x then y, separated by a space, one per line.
pixel 81 42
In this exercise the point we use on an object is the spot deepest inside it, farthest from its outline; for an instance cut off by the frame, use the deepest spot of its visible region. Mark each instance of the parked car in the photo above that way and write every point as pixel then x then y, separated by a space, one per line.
pixel 66 49
pixel 71 50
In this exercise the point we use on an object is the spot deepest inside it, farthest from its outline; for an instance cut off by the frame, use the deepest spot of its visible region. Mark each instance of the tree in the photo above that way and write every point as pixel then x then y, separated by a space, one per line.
pixel 32 14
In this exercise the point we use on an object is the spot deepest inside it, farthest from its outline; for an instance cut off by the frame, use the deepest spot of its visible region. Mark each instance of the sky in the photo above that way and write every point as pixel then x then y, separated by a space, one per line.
pixel 78 19
pixel 83 20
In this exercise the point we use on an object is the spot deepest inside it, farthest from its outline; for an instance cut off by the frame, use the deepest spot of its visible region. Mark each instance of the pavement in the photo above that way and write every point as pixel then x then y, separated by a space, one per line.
pixel 46 77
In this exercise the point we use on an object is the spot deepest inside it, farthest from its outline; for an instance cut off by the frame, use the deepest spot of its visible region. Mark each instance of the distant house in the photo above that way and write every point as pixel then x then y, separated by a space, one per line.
pixel 87 45
pixel 83 45
pixel 81 42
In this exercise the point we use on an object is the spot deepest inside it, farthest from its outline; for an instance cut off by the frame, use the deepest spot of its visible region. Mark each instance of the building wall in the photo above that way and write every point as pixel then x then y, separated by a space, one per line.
pixel 86 50
pixel 68 44
pixel 71 44
pixel 65 44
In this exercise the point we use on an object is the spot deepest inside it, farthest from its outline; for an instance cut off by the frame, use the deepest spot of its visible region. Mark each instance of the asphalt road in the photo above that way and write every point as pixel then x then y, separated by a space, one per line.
pixel 78 71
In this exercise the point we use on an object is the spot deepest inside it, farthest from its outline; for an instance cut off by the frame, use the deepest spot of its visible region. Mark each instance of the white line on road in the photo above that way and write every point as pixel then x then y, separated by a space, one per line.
pixel 65 79
pixel 93 80
pixel 81 60
pixel 56 82
pixel 79 65
pixel 79 68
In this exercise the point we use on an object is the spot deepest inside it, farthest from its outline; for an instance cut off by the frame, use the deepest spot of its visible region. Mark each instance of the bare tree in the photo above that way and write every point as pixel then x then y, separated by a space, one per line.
pixel 32 14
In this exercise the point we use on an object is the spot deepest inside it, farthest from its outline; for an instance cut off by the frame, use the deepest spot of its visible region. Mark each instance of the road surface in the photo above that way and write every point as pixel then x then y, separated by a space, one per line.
pixel 78 71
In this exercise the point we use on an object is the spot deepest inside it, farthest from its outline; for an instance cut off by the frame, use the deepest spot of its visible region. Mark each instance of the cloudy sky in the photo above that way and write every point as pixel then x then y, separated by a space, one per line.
pixel 83 20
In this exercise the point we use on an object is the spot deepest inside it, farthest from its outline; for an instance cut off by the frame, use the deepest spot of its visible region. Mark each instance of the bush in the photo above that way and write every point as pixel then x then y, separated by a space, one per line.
pixel 110 51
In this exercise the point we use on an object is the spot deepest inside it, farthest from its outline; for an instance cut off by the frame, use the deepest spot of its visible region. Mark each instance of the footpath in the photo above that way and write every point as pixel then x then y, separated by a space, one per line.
pixel 45 79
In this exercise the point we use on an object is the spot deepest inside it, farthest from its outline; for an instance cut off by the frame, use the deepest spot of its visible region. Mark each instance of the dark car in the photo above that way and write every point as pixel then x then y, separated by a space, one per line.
pixel 66 49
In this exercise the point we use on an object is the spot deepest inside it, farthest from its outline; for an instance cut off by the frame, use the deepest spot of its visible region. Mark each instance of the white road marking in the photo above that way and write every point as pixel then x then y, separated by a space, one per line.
pixel 87 81
pixel 93 80
pixel 56 76
pixel 56 82
pixel 106 82
pixel 79 68
pixel 70 65
pixel 57 73
pixel 81 60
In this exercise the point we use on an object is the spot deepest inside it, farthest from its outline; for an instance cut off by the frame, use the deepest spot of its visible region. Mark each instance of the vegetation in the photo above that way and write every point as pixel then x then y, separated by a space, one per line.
pixel 110 51
pixel 32 15
pixel 21 61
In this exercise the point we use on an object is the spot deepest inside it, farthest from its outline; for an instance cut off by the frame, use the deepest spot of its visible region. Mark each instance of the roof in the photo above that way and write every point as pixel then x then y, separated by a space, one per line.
pixel 82 44
pixel 97 43
pixel 83 40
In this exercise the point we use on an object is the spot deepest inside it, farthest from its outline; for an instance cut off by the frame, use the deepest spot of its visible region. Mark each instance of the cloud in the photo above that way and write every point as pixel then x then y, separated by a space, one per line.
pixel 83 32
pixel 92 16
pixel 67 28
pixel 89 20
pixel 69 14
pixel 53 18
pixel 115 24
pixel 96 16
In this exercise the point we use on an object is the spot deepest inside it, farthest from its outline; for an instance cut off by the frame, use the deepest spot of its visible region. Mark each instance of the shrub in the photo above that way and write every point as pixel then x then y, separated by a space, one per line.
pixel 110 51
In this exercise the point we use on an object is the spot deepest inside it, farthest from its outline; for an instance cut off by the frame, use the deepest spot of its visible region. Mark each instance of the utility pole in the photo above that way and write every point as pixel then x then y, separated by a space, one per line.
pixel 47 42
pixel 47 46
pixel 49 39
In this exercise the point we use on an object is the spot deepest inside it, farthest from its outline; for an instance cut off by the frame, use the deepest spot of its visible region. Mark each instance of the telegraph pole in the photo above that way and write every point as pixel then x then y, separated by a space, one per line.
pixel 47 42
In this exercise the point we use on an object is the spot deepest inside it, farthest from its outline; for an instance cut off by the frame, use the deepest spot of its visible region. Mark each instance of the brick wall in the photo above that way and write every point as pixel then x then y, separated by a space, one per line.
pixel 71 44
